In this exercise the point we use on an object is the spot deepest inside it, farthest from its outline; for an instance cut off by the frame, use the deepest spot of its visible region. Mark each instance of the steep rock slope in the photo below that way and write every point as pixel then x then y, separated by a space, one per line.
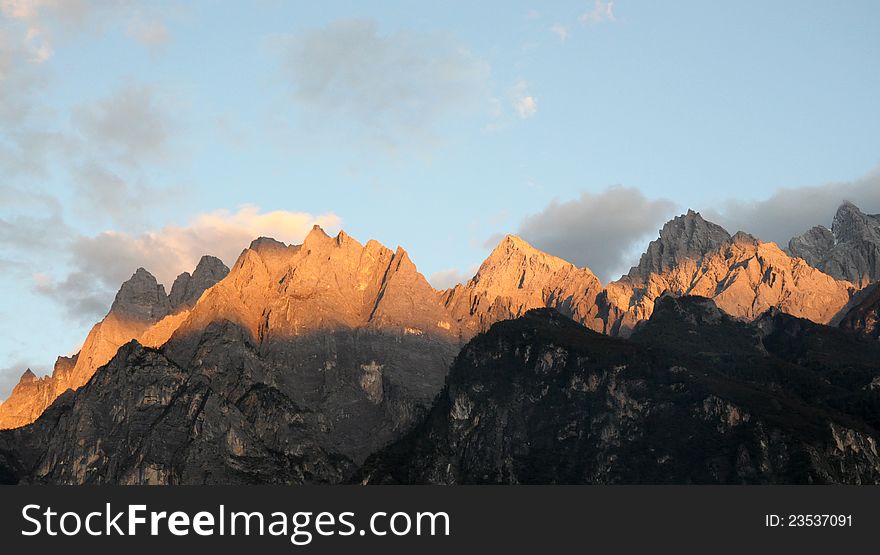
pixel 276 290
pixel 327 351
pixel 31 396
pixel 850 250
pixel 351 333
pixel 348 341
pixel 187 288
pixel 144 420
pixel 515 278
pixel 542 400
pixel 141 309
pixel 744 276
pixel 864 317
pixel 684 238
pixel 286 297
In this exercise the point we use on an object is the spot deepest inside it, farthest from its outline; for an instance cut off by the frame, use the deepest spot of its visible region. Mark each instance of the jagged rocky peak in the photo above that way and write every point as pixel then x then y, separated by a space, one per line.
pixel 517 277
pixel 515 264
pixel 188 287
pixel 277 255
pixel 850 250
pixel 141 298
pixel 317 241
pixel 277 291
pixel 513 247
pixel 28 377
pixel 140 304
pixel 265 244
pixel 744 276
pixel 689 236
pixel 513 244
pixel 851 224
pixel 743 238
pixel 317 236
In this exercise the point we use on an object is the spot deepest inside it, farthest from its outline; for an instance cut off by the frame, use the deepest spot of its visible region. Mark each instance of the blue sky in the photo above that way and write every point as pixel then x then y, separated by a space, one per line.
pixel 133 134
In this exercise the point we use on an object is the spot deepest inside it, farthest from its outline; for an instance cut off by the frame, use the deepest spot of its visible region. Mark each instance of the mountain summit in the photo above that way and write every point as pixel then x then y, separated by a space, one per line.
pixel 281 299
pixel 142 298
pixel 850 250
pixel 517 277
pixel 743 275
pixel 141 309
pixel 686 237
pixel 303 360
pixel 187 288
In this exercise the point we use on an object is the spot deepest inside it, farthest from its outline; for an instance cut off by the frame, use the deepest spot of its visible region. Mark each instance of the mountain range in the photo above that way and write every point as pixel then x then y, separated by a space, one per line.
pixel 334 361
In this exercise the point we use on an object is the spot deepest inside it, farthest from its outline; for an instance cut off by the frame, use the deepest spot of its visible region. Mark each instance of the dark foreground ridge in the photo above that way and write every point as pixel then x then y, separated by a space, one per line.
pixel 694 396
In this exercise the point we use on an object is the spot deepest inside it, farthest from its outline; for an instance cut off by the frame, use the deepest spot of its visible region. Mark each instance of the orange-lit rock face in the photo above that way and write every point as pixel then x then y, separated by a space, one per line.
pixel 745 277
pixel 29 399
pixel 277 291
pixel 141 310
pixel 327 283
pixel 517 277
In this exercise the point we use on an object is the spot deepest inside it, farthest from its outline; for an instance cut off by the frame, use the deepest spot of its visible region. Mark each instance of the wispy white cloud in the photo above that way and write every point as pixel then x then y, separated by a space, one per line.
pixel 601 12
pixel 34 36
pixel 118 153
pixel 41 20
pixel 560 31
pixel 149 31
pixel 131 124
pixel 524 104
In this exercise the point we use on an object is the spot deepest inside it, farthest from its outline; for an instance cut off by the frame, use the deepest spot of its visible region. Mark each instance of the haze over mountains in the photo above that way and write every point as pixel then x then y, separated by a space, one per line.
pixel 302 361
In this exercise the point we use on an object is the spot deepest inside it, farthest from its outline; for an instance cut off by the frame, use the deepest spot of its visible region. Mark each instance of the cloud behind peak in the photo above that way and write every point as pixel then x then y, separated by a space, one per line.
pixel 604 231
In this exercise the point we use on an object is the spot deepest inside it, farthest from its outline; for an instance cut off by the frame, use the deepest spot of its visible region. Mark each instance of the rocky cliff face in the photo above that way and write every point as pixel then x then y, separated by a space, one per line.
pixel 684 238
pixel 350 333
pixel 187 288
pixel 282 295
pixel 517 277
pixel 141 309
pixel 144 420
pixel 347 340
pixel 744 276
pixel 304 360
pixel 327 283
pixel 850 250
pixel 694 397
pixel 864 316
pixel 30 397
